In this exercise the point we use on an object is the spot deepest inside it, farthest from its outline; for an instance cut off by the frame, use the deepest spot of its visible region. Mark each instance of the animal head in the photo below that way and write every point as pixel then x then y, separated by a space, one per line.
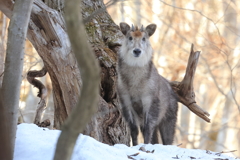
pixel 136 49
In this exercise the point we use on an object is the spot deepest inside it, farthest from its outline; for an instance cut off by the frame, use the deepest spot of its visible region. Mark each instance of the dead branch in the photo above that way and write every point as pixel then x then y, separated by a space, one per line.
pixel 179 144
pixel 185 90
pixel 219 153
pixel 42 94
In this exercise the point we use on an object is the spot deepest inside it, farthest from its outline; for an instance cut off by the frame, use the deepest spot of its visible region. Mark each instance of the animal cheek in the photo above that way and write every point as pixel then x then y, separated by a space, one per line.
pixel 144 47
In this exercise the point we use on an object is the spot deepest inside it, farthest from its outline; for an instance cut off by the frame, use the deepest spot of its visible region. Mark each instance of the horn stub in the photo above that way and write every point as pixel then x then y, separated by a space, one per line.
pixel 133 28
pixel 142 28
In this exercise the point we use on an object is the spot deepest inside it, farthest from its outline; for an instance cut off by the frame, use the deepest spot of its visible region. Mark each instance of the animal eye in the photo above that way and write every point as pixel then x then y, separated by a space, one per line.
pixel 130 38
pixel 144 39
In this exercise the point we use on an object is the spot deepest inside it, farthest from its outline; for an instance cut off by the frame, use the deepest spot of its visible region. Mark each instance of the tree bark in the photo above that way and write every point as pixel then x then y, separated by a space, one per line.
pixel 108 125
pixel 184 89
pixel 10 91
pixel 89 68
pixel 2 47
pixel 47 33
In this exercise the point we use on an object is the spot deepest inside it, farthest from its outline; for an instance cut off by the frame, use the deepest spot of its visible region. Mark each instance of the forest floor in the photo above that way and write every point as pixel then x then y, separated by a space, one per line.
pixel 35 143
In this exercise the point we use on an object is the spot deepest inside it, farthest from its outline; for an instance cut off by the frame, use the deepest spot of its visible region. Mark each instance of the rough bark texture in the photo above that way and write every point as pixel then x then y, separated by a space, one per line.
pixel 57 5
pixel 107 125
pixel 10 90
pixel 42 94
pixel 1 66
pixel 48 35
pixel 2 47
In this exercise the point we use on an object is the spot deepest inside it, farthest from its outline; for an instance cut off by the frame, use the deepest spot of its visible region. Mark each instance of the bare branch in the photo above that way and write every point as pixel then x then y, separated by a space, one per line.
pixel 214 79
pixel 42 94
pixel 89 68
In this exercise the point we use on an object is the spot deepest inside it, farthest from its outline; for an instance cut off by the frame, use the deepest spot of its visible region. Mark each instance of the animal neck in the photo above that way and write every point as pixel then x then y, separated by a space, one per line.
pixel 125 67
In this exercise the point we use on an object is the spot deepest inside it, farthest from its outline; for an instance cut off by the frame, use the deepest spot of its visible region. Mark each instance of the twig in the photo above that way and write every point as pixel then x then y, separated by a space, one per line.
pixel 179 144
pixel 212 76
pixel 134 154
pixel 192 10
pixel 219 153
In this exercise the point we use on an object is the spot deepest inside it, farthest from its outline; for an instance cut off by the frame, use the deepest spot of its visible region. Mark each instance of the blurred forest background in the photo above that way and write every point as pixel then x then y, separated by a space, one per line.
pixel 214 29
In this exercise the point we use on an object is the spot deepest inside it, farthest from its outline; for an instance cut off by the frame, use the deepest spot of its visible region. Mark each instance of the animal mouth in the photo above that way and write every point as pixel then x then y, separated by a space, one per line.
pixel 136 55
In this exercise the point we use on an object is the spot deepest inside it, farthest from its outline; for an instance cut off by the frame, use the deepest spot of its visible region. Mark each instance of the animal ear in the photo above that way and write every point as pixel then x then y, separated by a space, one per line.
pixel 150 29
pixel 124 28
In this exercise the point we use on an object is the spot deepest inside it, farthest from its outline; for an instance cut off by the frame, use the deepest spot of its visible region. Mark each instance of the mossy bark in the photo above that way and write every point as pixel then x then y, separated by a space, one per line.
pixel 47 33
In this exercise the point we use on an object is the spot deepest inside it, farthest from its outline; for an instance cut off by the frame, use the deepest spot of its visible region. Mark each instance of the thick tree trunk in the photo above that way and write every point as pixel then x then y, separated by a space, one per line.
pixel 48 35
pixel 10 90
pixel 107 125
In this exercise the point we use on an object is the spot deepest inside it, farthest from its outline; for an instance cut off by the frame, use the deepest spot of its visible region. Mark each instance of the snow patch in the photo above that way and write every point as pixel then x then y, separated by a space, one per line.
pixel 35 143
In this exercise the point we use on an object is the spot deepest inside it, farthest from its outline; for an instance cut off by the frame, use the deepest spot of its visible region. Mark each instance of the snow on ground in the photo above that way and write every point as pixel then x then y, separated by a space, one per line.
pixel 34 143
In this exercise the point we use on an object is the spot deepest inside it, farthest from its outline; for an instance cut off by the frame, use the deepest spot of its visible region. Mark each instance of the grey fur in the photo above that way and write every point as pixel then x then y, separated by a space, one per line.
pixel 126 28
pixel 147 100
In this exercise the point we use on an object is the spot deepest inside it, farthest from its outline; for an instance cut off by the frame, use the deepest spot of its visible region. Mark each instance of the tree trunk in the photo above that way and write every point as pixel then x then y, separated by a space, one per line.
pixel 47 33
pixel 10 90
pixel 107 125
pixel 2 48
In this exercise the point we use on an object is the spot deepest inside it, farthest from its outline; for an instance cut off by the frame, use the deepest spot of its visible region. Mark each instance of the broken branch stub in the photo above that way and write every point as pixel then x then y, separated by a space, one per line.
pixel 185 90
pixel 42 94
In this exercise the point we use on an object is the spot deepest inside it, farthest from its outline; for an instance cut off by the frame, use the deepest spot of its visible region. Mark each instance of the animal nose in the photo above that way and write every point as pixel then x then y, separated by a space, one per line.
pixel 136 52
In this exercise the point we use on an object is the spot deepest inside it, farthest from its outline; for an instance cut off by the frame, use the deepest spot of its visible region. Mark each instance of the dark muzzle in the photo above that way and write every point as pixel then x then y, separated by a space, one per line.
pixel 136 52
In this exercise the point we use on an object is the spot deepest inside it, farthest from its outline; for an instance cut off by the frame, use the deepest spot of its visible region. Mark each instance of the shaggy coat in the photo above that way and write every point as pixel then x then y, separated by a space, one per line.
pixel 146 98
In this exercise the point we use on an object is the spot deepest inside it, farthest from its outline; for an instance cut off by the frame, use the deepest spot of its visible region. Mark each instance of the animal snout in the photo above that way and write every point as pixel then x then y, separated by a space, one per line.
pixel 136 52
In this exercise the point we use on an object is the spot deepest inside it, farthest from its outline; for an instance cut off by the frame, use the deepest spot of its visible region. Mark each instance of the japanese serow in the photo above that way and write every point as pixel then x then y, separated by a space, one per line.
pixel 146 98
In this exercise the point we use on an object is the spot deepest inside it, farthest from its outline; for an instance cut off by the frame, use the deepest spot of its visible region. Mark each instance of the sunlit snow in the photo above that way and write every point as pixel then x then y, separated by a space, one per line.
pixel 34 143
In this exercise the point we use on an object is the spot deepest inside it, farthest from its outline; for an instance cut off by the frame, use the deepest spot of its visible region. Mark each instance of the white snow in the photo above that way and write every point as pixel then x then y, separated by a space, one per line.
pixel 34 143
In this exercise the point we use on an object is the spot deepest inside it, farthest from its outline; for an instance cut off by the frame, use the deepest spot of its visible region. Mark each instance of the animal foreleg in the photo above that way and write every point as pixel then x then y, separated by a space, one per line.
pixel 129 117
pixel 150 122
